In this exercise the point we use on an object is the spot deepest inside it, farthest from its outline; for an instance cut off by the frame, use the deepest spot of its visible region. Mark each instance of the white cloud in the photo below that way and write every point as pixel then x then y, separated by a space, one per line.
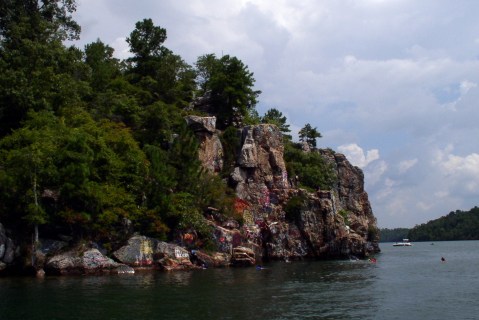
pixel 406 165
pixel 122 50
pixel 462 173
pixel 466 86
pixel 374 172
pixel 356 156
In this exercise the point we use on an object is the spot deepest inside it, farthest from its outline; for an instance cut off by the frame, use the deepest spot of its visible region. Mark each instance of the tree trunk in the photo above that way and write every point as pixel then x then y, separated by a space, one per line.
pixel 36 206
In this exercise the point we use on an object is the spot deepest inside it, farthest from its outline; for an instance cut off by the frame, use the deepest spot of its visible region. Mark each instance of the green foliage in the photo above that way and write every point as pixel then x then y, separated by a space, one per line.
pixel 231 142
pixel 251 118
pixel 274 116
pixel 458 225
pixel 38 20
pixel 393 235
pixel 213 192
pixel 37 72
pixel 104 67
pixel 146 41
pixel 183 213
pixel 97 170
pixel 309 135
pixel 156 69
pixel 312 170
pixel 231 86
pixel 345 214
pixel 373 233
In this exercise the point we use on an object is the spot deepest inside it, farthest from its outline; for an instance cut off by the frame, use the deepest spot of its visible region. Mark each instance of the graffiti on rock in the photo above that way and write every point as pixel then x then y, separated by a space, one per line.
pixel 145 257
pixel 181 254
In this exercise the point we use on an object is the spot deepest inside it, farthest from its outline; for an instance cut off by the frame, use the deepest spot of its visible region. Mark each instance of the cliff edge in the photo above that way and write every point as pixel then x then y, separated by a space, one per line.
pixel 281 220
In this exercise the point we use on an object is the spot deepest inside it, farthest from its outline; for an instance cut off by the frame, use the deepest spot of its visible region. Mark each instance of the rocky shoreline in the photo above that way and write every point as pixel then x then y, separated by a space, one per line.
pixel 325 224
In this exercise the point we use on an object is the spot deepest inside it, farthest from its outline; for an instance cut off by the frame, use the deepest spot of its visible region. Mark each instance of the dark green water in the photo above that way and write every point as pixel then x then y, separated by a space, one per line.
pixel 405 283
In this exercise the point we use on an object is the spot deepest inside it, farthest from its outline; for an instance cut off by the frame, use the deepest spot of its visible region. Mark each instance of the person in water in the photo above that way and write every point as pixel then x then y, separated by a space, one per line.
pixel 443 259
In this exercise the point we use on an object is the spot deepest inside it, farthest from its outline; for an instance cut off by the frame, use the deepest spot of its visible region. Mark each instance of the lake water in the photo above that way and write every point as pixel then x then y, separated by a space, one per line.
pixel 404 283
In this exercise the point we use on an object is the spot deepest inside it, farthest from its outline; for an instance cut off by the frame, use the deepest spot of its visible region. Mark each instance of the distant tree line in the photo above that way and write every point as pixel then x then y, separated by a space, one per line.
pixel 457 225
pixel 393 235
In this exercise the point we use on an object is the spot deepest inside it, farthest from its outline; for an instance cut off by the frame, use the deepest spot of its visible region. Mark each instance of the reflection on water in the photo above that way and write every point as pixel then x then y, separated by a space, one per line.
pixel 404 281
pixel 281 291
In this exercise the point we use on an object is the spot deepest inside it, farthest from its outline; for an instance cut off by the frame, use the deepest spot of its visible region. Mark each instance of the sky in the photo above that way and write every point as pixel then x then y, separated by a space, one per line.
pixel 392 84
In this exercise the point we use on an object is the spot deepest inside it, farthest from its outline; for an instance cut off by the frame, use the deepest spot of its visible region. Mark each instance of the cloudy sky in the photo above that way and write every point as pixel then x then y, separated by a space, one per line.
pixel 393 84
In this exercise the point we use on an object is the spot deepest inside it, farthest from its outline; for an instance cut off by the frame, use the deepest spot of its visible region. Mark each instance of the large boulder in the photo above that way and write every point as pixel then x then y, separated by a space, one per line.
pixel 82 261
pixel 150 253
pixel 211 260
pixel 7 249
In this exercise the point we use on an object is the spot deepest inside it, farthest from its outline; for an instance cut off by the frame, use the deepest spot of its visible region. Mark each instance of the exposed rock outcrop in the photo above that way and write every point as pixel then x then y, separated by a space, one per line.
pixel 211 149
pixel 7 249
pixel 214 260
pixel 149 253
pixel 332 223
pixel 83 261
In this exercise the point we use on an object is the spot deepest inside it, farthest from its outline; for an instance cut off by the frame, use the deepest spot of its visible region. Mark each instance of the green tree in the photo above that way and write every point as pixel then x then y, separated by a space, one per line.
pixel 312 170
pixel 156 69
pixel 36 71
pixel 38 20
pixel 27 168
pixel 96 170
pixel 274 116
pixel 230 85
pixel 146 42
pixel 309 135
pixel 104 67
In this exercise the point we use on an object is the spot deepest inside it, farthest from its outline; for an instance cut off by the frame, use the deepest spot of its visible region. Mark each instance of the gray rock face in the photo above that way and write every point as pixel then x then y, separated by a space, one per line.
pixel 7 249
pixel 202 124
pixel 211 150
pixel 81 261
pixel 211 260
pixel 331 224
pixel 147 252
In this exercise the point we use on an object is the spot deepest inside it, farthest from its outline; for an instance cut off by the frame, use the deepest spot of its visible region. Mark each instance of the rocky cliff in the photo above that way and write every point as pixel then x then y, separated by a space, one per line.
pixel 335 223
pixel 278 220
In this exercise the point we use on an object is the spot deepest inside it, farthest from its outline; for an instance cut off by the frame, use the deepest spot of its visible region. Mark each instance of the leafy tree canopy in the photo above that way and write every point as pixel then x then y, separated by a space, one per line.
pixel 309 135
pixel 38 20
pixel 87 175
pixel 274 116
pixel 310 168
pixel 230 85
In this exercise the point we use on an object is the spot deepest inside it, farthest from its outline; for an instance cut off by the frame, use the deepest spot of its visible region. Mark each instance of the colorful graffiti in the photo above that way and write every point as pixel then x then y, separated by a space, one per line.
pixel 179 253
pixel 243 207
pixel 285 179
pixel 248 217
pixel 240 205
pixel 264 200
pixel 188 237
pixel 146 253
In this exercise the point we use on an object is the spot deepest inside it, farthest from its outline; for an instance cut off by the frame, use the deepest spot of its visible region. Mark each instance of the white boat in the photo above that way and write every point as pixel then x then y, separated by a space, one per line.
pixel 404 243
